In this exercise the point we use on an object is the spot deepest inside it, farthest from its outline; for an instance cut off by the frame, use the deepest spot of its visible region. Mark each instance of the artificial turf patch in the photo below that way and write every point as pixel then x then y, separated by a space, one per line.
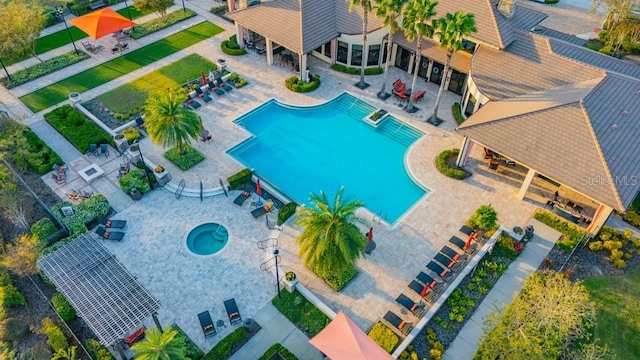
pixel 110 70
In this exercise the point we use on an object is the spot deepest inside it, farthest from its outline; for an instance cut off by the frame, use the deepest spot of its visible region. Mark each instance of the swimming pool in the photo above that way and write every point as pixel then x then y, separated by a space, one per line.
pixel 305 150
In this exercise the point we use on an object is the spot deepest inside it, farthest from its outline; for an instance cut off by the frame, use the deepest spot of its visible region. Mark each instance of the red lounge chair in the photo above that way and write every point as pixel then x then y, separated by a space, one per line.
pixel 136 336
pixel 419 95
pixel 399 93
pixel 397 84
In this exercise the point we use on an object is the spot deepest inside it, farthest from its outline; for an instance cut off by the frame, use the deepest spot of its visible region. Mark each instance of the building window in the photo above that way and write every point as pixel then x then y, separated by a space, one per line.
pixel 327 49
pixel 384 54
pixel 471 104
pixel 319 49
pixel 468 46
pixel 356 55
pixel 374 55
pixel 343 51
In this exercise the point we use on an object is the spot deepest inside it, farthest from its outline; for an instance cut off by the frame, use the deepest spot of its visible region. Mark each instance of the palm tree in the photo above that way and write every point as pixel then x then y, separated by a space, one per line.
pixel 388 11
pixel 366 7
pixel 451 30
pixel 160 346
pixel 416 24
pixel 331 242
pixel 167 123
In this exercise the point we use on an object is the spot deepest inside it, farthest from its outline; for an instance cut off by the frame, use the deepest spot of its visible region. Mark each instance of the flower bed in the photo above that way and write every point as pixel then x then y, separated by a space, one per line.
pixel 443 163
pixel 296 85
pixel 41 69
pixel 86 212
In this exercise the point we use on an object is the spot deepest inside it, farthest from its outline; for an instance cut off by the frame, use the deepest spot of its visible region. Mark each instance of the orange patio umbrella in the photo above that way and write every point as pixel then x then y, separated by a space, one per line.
pixel 342 339
pixel 101 23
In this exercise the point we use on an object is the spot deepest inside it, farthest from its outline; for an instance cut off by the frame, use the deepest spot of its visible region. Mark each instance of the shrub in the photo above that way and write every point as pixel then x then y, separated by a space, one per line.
pixel 286 212
pixel 615 255
pixel 356 70
pixel 63 307
pixel 280 350
pixel 445 169
pixel 76 128
pixel 231 47
pixel 86 212
pixel 436 354
pixel 551 1
pixel 189 159
pixel 573 234
pixel 237 81
pixel 43 228
pixel 43 68
pixel 595 246
pixel 612 245
pixel 154 25
pixel 25 148
pixel 620 264
pixel 135 179
pixel 236 181
pixel 97 351
pixel 225 347
pixel 13 329
pixel 506 246
pixel 457 113
pixel 632 218
pixel 296 85
pixel 384 337
pixel 55 336
pixel 484 218
pixel 5 277
pixel 338 281
pixel 131 134
pixel 192 350
pixel 11 297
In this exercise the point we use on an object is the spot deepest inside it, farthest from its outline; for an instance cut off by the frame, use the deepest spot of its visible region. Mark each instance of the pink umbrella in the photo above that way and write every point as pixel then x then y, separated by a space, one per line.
pixel 204 78
pixel 258 188
pixel 370 234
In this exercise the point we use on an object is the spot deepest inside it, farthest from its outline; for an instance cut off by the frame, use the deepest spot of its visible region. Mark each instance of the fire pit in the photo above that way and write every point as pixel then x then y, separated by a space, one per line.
pixel 91 172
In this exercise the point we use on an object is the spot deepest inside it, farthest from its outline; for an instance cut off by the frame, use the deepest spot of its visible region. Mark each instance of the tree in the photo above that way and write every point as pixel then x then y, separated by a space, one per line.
pixel 388 11
pixel 617 10
pixel 20 27
pixel 160 346
pixel 549 315
pixel 21 257
pixel 366 7
pixel 451 30
pixel 331 242
pixel 168 123
pixel 417 24
pixel 484 218
pixel 159 7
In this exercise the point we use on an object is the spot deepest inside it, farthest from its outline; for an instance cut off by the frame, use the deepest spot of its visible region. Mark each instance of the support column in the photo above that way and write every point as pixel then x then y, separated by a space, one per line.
pixel 525 184
pixel 447 79
pixel 240 35
pixel 269 44
pixel 303 67
pixel 394 53
pixel 412 59
pixel 429 68
pixel 465 148
pixel 334 50
pixel 601 216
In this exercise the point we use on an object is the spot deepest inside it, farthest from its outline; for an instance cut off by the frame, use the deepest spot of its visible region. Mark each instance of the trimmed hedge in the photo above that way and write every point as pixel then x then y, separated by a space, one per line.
pixel 286 212
pixel 63 307
pixel 227 346
pixel 296 85
pixel 231 47
pixel 384 337
pixel 76 128
pixel 56 337
pixel 356 71
pixel 43 228
pixel 154 25
pixel 338 281
pixel 189 159
pixel 280 350
pixel 457 113
pixel 24 147
pixel 571 234
pixel 41 69
pixel 443 167
pixel 86 212
pixel 237 180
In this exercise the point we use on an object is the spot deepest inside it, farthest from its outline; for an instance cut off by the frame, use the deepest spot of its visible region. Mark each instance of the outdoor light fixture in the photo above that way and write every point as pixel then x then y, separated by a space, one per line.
pixel 133 28
pixel 60 11
pixel 5 70
pixel 275 255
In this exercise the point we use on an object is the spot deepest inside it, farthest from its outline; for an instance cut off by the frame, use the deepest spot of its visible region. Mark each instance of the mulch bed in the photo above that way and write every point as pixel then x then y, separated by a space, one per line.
pixel 451 162
pixel 102 112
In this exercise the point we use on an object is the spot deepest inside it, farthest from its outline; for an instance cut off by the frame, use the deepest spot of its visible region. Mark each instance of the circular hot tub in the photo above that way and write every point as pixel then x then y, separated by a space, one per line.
pixel 207 239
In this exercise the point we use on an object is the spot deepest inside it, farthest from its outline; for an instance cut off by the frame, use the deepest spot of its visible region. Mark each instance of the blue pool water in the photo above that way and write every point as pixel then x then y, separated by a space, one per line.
pixel 207 239
pixel 305 150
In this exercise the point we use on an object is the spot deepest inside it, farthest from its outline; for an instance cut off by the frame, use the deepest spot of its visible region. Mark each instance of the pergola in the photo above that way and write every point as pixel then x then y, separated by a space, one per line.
pixel 103 292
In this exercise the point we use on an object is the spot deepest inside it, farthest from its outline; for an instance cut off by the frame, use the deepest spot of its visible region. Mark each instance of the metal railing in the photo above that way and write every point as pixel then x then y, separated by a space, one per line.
pixel 270 242
pixel 180 188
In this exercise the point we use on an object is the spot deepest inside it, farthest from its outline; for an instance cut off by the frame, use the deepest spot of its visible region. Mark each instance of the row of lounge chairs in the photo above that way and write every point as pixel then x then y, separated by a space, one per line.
pixel 257 212
pixel 399 89
pixel 206 323
pixel 203 93
pixel 103 150
pixel 105 229
pixel 444 265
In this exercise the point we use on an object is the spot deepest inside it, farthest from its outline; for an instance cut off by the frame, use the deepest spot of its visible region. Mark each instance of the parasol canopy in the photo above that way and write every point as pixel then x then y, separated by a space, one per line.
pixel 342 339
pixel 101 23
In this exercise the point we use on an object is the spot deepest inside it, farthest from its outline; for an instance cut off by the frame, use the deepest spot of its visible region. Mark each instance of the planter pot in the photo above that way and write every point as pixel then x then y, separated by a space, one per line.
pixel 290 285
pixel 135 194
pixel 247 323
pixel 121 142
pixel 75 98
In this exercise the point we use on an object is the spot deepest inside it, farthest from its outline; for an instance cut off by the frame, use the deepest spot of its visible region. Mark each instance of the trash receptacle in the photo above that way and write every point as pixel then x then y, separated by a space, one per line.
pixel 135 194
pixel 248 323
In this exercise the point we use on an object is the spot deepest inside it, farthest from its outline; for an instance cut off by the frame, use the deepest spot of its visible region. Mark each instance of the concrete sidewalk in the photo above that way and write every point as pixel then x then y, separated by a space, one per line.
pixel 276 329
pixel 509 285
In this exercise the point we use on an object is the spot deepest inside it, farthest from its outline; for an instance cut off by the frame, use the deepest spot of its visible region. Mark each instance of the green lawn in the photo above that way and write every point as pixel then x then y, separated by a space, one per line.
pixel 618 312
pixel 299 310
pixel 134 94
pixel 96 76
pixel 61 38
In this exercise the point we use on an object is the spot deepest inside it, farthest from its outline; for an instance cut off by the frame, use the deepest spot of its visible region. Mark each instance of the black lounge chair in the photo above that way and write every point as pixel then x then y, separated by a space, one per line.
pixel 445 274
pixel 192 103
pixel 115 224
pixel 207 324
pixel 140 122
pixel 215 88
pixel 202 95
pixel 428 280
pixel 397 322
pixel 109 235
pixel 429 294
pixel 240 199
pixel 453 255
pixel 104 150
pixel 222 84
pixel 263 210
pixel 447 262
pixel 417 309
pixel 232 311
pixel 460 244
pixel 466 230
pixel 93 150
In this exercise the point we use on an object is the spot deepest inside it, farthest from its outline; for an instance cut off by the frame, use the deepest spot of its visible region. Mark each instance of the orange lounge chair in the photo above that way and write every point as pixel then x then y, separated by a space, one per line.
pixel 419 95
pixel 399 93
pixel 397 322
pixel 263 210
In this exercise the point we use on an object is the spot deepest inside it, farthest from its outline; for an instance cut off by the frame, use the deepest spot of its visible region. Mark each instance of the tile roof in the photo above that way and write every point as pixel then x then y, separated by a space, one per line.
pixel 525 18
pixel 350 23
pixel 461 60
pixel 316 15
pixel 594 58
pixel 492 26
pixel 572 39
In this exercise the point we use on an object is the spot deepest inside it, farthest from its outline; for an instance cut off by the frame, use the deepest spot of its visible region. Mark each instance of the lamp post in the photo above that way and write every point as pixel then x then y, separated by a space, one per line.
pixel 275 255
pixel 60 11
pixel 5 70
pixel 133 28
pixel 146 174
